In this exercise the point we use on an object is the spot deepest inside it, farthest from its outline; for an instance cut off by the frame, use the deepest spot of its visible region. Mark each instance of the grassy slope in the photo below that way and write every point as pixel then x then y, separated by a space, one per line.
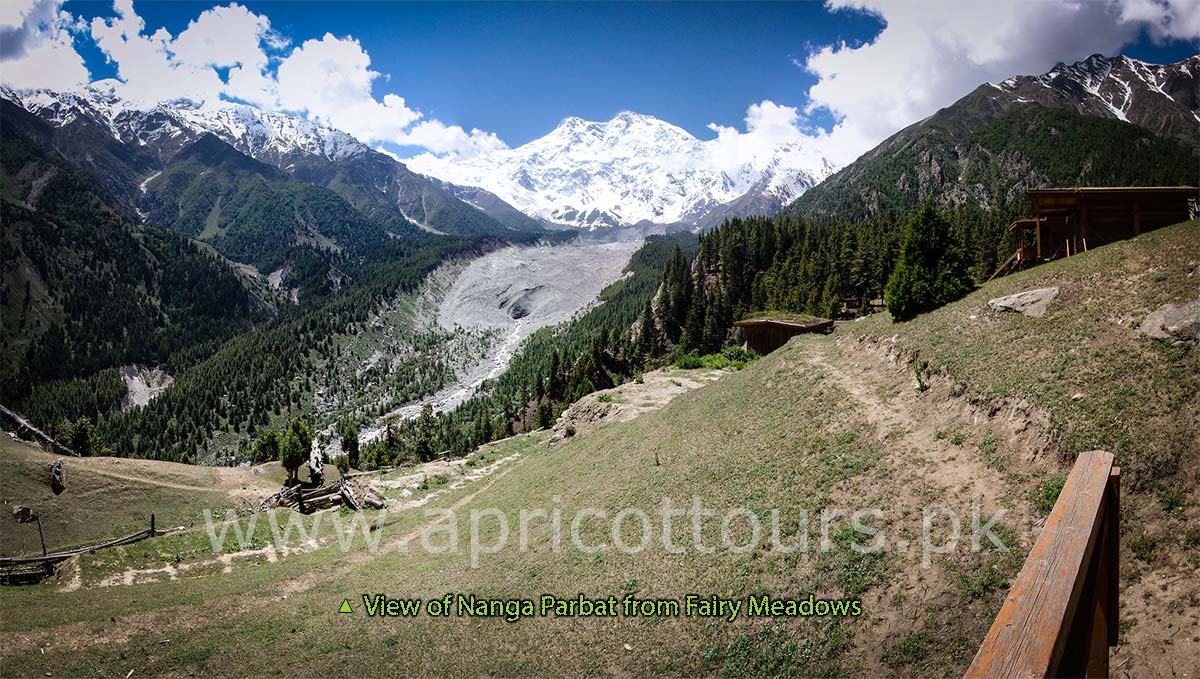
pixel 800 429
pixel 1100 385
pixel 124 492
pixel 730 444
pixel 1103 384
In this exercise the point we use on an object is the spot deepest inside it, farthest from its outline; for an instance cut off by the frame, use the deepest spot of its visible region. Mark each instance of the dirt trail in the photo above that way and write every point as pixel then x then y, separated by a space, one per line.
pixel 154 482
pixel 915 426
pixel 627 401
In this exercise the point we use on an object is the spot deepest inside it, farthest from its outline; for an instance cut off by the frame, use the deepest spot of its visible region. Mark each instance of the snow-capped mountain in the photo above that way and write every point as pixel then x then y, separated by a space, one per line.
pixel 263 135
pixel 633 169
pixel 1163 98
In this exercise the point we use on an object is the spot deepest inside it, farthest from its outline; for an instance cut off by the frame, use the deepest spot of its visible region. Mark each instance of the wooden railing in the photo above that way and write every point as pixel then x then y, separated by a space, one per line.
pixel 1060 617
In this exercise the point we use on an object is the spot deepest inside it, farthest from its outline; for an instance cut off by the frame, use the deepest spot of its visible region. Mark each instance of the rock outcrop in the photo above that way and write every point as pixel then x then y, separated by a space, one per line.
pixel 1030 302
pixel 1178 324
pixel 58 477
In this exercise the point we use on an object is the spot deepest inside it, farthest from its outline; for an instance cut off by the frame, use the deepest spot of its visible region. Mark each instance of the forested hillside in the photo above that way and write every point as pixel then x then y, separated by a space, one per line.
pixel 85 289
pixel 262 377
pixel 255 214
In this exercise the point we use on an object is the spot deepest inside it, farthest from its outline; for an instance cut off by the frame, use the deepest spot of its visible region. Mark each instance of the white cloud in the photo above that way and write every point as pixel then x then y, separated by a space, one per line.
pixel 330 79
pixel 1165 19
pixel 768 127
pixel 451 140
pixel 36 47
pixel 932 53
pixel 232 37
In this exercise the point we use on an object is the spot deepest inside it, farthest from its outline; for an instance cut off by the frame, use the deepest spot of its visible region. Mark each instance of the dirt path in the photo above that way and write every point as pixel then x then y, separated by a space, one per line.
pixel 931 443
pixel 155 482
pixel 919 431
pixel 656 389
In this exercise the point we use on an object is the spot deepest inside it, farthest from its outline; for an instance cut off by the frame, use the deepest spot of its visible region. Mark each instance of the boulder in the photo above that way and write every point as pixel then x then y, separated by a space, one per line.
pixel 1030 302
pixel 1177 324
pixel 58 477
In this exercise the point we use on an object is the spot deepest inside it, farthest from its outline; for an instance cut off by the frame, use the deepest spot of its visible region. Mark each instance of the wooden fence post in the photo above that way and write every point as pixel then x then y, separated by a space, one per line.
pixel 41 533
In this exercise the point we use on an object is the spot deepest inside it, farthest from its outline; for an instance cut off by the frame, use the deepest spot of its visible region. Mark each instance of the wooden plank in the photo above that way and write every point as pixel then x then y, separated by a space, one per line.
pixel 1030 633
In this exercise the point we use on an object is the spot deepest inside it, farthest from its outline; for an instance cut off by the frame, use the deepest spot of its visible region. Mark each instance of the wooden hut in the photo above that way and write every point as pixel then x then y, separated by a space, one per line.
pixel 1070 221
pixel 764 335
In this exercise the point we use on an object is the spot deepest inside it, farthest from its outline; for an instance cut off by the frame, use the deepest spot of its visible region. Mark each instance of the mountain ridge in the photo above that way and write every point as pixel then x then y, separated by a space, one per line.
pixel 380 186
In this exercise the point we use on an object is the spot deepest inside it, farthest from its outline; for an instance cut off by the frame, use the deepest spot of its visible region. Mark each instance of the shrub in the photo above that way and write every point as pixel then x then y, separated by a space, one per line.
pixel 1172 500
pixel 294 447
pixel 738 354
pixel 1143 546
pixel 266 448
pixel 689 362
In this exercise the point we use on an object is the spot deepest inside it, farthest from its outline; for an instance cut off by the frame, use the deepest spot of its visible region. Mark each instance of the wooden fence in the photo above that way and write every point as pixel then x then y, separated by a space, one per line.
pixel 21 570
pixel 1060 617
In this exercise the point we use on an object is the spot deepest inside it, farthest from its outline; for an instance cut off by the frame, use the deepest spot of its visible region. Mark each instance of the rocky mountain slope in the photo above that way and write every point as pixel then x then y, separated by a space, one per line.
pixel 633 170
pixel 1099 121
pixel 1164 99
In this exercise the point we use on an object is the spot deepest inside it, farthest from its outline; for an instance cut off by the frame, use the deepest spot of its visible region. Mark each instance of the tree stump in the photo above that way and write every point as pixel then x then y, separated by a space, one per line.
pixel 58 477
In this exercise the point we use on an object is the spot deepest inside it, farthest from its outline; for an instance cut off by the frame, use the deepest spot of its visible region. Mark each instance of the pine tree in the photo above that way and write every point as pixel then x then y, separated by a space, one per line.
pixel 931 270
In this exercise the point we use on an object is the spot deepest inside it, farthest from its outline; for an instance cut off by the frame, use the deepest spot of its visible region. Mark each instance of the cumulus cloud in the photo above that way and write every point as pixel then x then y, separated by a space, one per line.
pixel 36 48
pixel 768 127
pixel 235 38
pixel 1165 19
pixel 226 53
pixel 931 53
pixel 330 79
pixel 147 69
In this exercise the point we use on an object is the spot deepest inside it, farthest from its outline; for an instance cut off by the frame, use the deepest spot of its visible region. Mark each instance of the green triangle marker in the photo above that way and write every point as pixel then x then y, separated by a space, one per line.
pixel 345 607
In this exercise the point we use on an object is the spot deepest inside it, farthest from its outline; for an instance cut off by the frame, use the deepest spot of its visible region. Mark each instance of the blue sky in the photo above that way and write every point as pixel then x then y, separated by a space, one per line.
pixel 518 69
pixel 475 77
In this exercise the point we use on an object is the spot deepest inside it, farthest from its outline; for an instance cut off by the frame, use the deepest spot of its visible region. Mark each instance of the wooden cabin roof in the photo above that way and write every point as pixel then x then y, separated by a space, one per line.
pixel 1023 224
pixel 1050 201
pixel 815 325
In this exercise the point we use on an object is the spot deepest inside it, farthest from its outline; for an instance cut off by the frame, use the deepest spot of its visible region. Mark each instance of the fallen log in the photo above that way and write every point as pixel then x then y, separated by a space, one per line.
pixel 25 429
